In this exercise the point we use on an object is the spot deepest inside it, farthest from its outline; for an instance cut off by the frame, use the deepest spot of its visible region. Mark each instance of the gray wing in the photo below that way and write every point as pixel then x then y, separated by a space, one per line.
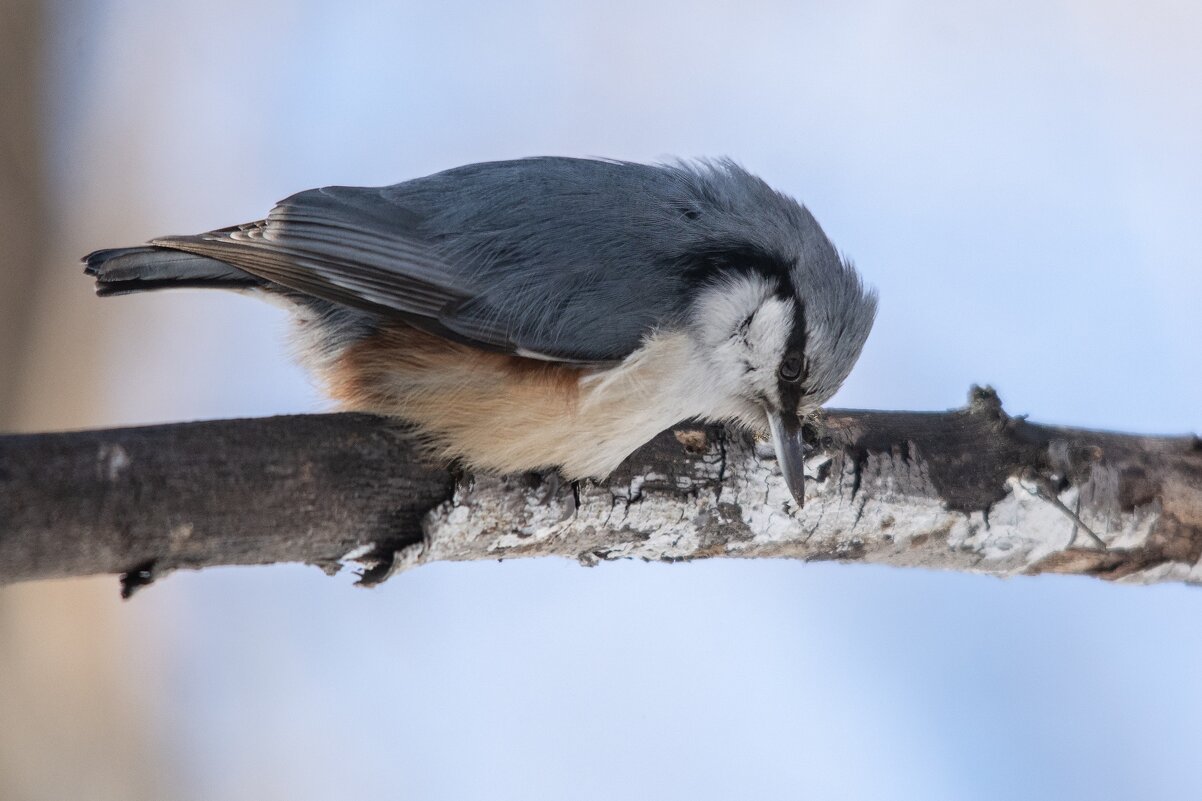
pixel 338 244
pixel 571 259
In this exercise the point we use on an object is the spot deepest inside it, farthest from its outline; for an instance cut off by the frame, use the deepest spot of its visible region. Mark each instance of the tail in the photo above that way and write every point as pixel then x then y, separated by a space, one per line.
pixel 119 271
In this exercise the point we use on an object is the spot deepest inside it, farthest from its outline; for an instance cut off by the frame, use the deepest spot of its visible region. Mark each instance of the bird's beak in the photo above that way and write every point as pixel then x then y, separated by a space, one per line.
pixel 790 451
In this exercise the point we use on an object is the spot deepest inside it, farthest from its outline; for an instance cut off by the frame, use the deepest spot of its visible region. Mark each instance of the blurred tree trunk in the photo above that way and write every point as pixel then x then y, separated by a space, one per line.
pixel 22 207
pixel 72 723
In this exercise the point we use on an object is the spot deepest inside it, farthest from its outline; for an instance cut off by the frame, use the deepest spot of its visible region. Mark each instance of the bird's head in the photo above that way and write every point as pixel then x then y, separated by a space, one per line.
pixel 781 333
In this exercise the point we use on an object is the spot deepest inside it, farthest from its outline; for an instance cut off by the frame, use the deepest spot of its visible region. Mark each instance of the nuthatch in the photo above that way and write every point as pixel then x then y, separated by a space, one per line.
pixel 547 312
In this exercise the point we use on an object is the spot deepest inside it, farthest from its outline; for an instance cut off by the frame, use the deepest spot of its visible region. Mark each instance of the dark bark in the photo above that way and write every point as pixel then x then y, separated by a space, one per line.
pixel 142 501
pixel 896 487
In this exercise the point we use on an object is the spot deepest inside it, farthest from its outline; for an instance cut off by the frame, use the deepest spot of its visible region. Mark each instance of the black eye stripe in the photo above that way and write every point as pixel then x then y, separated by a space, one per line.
pixel 793 370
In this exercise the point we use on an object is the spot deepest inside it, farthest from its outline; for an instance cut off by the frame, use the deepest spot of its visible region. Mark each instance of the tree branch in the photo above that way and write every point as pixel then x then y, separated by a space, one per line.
pixel 970 489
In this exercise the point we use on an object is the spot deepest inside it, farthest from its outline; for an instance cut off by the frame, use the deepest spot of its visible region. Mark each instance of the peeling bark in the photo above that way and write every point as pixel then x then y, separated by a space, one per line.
pixel 971 489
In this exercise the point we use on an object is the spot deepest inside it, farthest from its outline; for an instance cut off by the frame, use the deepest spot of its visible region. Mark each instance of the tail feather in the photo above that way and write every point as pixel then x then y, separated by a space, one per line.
pixel 119 271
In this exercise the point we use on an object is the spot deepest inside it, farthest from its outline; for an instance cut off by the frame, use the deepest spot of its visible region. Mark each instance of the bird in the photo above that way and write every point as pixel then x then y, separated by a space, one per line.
pixel 548 312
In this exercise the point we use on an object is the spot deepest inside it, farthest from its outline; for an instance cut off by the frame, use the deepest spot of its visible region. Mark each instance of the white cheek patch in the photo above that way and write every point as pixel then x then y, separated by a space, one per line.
pixel 768 333
pixel 744 328
pixel 724 307
pixel 765 345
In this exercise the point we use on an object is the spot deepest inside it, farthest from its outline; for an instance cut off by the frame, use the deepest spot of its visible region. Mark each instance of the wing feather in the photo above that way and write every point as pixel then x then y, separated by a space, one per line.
pixel 569 259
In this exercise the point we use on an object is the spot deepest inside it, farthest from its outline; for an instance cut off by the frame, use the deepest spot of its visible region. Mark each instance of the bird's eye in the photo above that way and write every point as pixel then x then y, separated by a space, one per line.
pixel 790 367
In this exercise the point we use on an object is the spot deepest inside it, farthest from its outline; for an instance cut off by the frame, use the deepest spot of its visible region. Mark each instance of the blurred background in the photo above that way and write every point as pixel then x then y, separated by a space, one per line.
pixel 1021 180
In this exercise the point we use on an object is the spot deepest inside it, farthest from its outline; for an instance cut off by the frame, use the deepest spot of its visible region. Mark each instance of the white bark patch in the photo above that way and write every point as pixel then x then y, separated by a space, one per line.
pixel 179 535
pixel 891 513
pixel 111 462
